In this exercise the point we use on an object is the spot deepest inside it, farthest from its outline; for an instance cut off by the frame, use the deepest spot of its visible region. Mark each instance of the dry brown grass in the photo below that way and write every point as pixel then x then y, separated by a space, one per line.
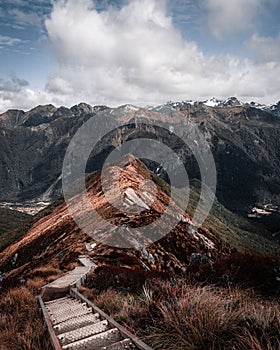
pixel 257 272
pixel 46 271
pixel 35 284
pixel 41 276
pixel 112 301
pixel 207 318
pixel 177 316
pixel 21 325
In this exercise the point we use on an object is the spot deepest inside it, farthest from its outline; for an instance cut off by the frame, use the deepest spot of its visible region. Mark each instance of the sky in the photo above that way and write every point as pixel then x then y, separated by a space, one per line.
pixel 143 52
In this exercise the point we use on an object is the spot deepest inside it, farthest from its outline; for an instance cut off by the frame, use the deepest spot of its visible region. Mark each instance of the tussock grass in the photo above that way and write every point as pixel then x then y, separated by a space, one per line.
pixel 121 278
pixel 111 301
pixel 21 325
pixel 35 284
pixel 174 315
pixel 207 318
pixel 45 271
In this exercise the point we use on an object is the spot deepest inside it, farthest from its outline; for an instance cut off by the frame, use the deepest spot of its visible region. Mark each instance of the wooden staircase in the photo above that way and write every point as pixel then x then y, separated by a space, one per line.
pixel 74 323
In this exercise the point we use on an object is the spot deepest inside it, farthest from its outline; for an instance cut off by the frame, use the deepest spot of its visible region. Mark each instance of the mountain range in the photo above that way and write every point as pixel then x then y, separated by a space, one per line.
pixel 244 140
pixel 229 102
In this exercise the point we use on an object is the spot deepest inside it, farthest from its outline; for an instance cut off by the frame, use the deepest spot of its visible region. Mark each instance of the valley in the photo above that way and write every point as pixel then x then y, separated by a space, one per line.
pixel 232 258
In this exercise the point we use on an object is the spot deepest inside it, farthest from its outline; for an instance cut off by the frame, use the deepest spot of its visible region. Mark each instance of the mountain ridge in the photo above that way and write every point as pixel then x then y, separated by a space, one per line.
pixel 244 141
pixel 57 232
pixel 84 107
pixel 229 102
pixel 53 234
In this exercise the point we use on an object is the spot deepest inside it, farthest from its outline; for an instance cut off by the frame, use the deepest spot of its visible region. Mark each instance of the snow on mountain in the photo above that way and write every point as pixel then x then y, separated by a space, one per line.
pixel 229 102
pixel 273 109
pixel 232 102
pixel 212 102
pixel 216 103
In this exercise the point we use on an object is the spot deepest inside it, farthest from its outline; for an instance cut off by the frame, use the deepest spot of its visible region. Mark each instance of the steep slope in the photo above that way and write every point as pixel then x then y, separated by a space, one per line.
pixel 32 147
pixel 56 239
pixel 245 144
pixel 10 220
pixel 238 232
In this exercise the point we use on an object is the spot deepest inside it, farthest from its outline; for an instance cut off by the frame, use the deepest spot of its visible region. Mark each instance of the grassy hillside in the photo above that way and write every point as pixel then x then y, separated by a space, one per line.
pixel 21 323
pixel 237 231
pixel 10 222
pixel 14 224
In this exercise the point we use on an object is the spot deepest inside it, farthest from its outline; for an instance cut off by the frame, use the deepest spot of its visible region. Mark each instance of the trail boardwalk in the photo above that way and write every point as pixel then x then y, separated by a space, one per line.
pixel 74 323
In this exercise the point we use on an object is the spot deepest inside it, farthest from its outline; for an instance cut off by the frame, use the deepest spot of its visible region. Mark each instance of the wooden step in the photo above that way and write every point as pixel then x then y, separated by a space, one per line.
pixel 60 287
pixel 65 307
pixel 58 318
pixel 65 300
pixel 95 342
pixel 76 322
pixel 83 332
pixel 55 301
pixel 125 344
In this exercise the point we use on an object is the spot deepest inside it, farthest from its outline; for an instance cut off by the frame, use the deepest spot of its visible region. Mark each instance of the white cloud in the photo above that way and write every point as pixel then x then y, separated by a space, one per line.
pixel 9 41
pixel 17 93
pixel 60 86
pixel 120 55
pixel 135 55
pixel 23 17
pixel 14 84
pixel 128 55
pixel 229 17
pixel 267 49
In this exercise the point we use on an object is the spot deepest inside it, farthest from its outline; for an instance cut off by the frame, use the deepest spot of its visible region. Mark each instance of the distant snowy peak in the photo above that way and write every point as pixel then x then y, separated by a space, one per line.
pixel 216 103
pixel 273 109
pixel 257 105
pixel 229 102
pixel 232 102
pixel 212 102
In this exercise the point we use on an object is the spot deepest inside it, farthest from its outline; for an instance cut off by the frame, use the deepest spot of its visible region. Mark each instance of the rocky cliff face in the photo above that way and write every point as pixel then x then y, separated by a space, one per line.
pixel 245 145
pixel 244 141
pixel 32 148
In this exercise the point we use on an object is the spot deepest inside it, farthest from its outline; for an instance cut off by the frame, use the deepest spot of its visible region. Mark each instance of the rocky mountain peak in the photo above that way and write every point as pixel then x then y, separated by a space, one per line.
pixel 276 109
pixel 11 119
pixel 33 145
pixel 81 108
pixel 231 102
pixel 48 109
pixel 130 208
pixel 213 102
